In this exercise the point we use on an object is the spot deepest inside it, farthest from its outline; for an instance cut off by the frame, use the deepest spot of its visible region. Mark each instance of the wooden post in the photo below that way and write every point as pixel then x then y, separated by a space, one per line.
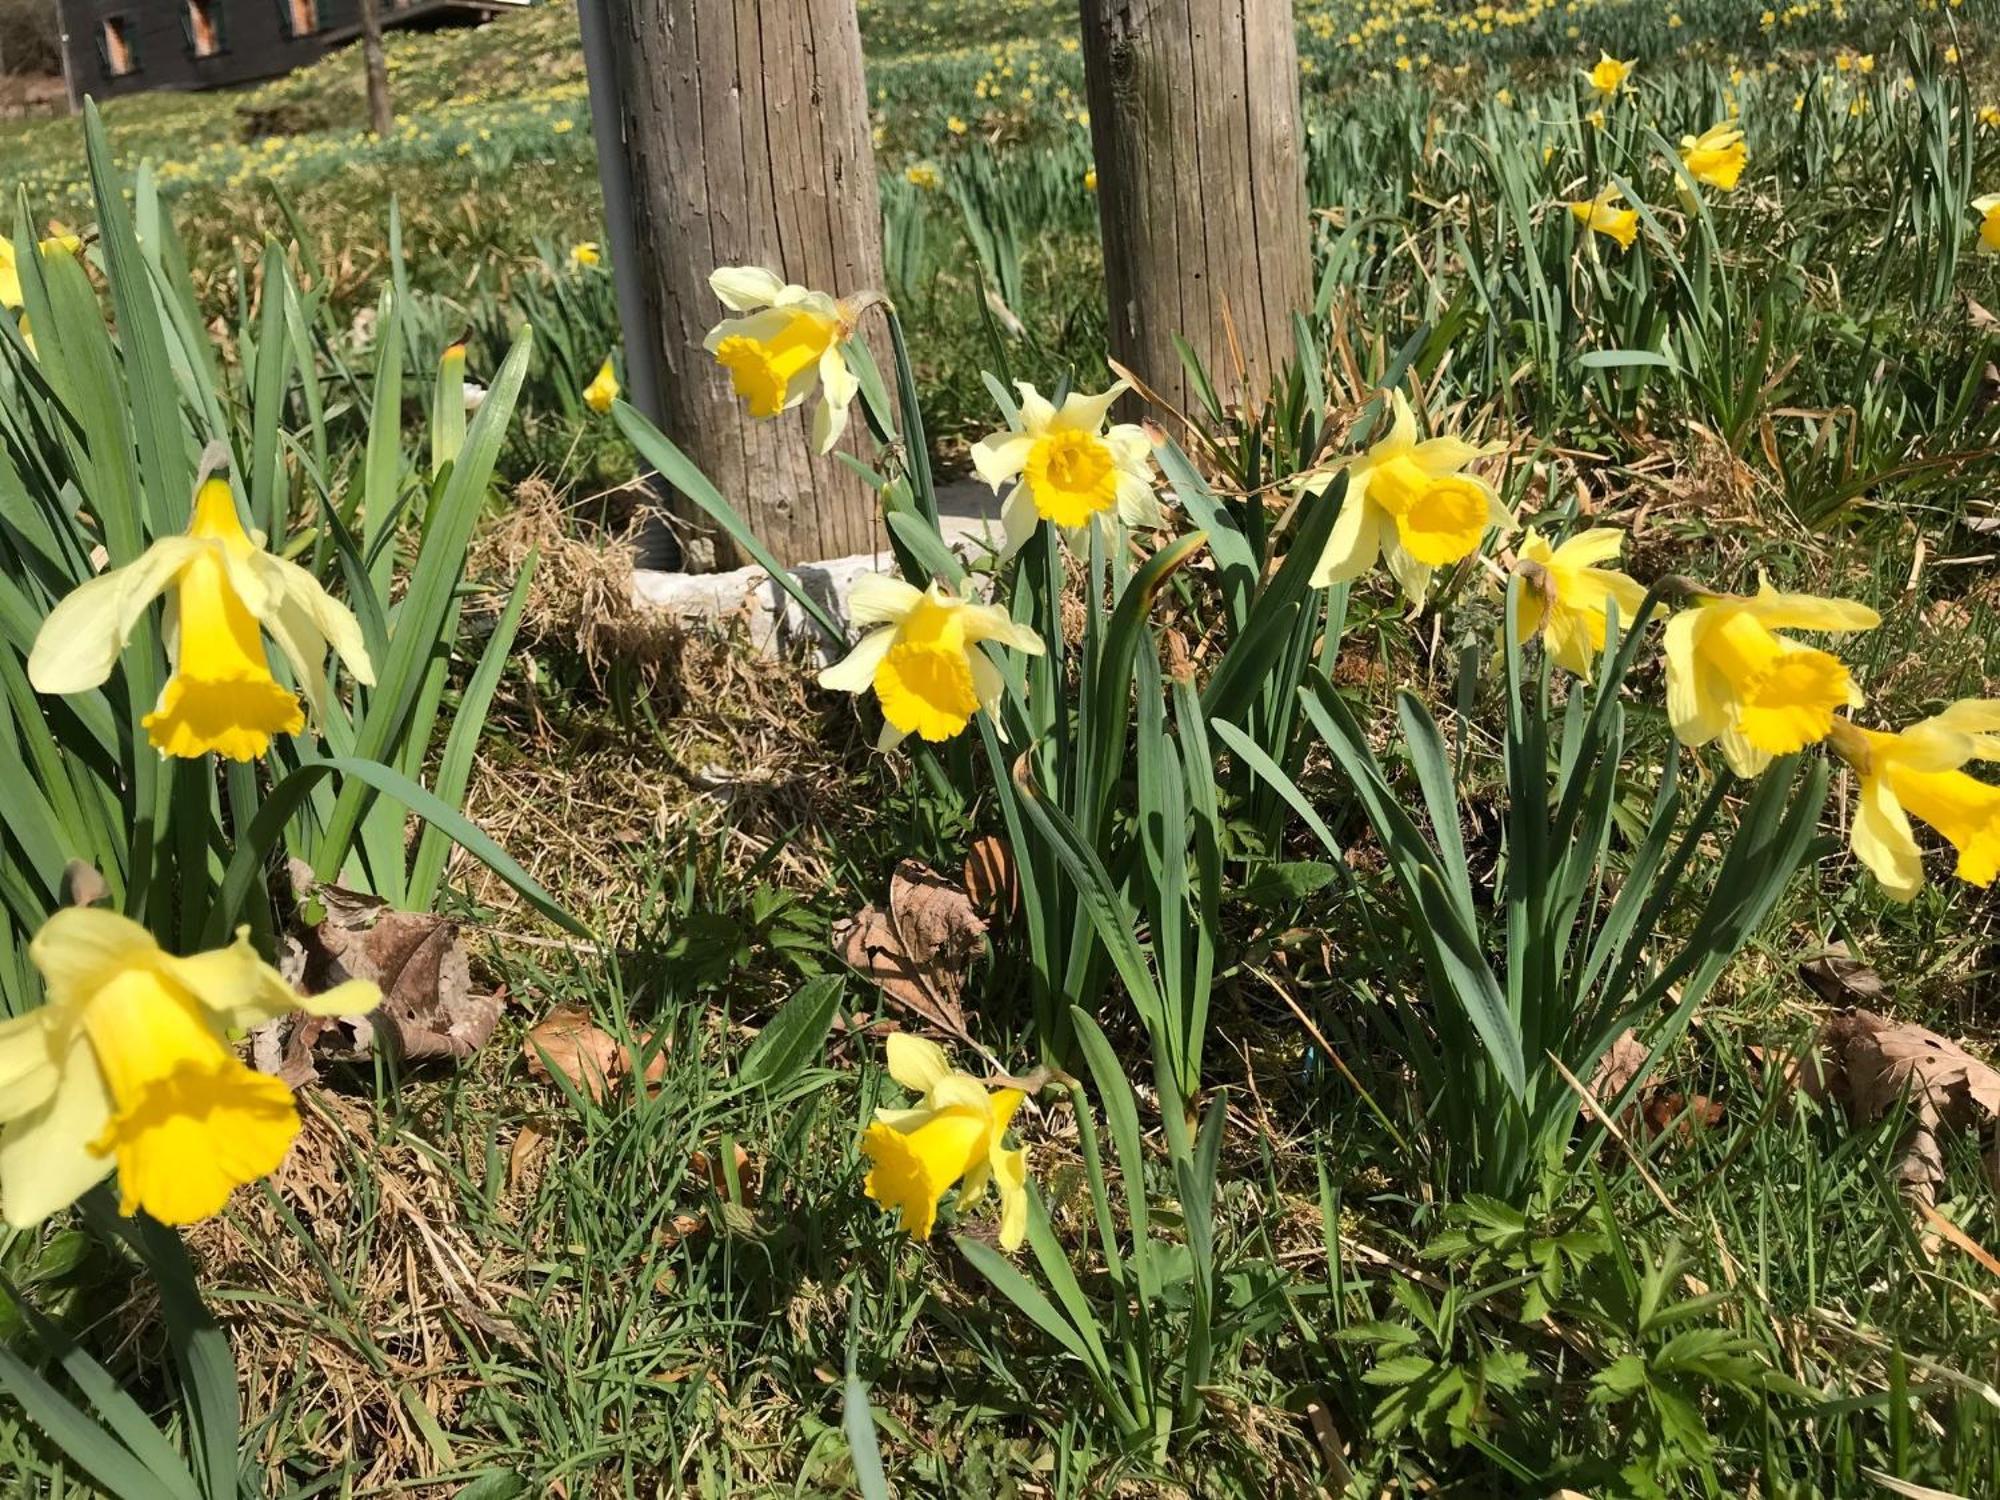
pixel 1194 117
pixel 746 129
pixel 381 116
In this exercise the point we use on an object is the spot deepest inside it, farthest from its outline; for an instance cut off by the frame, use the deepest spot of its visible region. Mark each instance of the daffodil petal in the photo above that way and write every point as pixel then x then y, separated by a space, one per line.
pixel 745 288
pixel 917 1063
pixel 1018 520
pixel 28 1072
pixel 1883 841
pixel 46 1162
pixel 837 388
pixel 1001 457
pixel 855 672
pixel 881 599
pixel 81 948
pixel 240 990
pixel 1353 545
pixel 80 641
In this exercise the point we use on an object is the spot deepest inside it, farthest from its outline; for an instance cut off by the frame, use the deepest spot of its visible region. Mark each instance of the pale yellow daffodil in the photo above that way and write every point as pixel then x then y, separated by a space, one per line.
pixel 922 658
pixel 587 253
pixel 1604 215
pixel 1716 157
pixel 1608 75
pixel 1915 773
pixel 222 587
pixel 128 1067
pixel 788 344
pixel 953 1137
pixel 1408 503
pixel 1566 596
pixel 1066 467
pixel 1732 677
pixel 603 389
pixel 10 266
pixel 1988 209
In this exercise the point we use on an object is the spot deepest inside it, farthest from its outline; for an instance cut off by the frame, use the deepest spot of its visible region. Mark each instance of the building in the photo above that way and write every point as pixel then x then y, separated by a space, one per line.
pixel 129 46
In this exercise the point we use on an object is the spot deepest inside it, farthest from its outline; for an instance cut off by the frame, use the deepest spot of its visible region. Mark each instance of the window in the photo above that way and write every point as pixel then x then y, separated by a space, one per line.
pixel 301 17
pixel 114 43
pixel 204 27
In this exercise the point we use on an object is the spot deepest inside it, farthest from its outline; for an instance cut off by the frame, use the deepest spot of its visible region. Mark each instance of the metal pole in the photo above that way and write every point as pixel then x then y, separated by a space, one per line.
pixel 656 545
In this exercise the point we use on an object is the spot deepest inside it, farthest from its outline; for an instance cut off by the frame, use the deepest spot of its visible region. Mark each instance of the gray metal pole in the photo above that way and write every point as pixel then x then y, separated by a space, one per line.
pixel 656 545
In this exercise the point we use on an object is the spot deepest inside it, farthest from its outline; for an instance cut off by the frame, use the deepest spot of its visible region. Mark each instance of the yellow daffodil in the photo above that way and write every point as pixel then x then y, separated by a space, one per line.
pixel 922 175
pixel 922 658
pixel 603 388
pixel 1090 179
pixel 1408 503
pixel 127 1066
pixel 1732 677
pixel 586 254
pixel 1067 467
pixel 1566 595
pixel 953 1137
pixel 789 343
pixel 1989 116
pixel 1602 215
pixel 10 267
pixel 1916 772
pixel 955 125
pixel 1716 157
pixel 1988 209
pixel 1609 74
pixel 224 586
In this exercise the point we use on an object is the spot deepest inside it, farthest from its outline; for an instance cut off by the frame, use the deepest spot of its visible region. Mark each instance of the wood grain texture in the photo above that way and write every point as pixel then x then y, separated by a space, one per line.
pixel 1194 117
pixel 747 128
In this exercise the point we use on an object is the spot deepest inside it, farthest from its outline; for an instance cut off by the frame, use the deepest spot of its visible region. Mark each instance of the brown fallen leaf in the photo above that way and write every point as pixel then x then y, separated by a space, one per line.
pixel 1621 1063
pixel 1664 1112
pixel 1873 1063
pixel 920 948
pixel 524 1157
pixel 748 1176
pixel 1840 979
pixel 429 1008
pixel 991 881
pixel 591 1058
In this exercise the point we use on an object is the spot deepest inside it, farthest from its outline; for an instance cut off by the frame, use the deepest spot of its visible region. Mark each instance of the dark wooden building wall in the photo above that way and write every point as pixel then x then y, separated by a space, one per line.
pixel 255 42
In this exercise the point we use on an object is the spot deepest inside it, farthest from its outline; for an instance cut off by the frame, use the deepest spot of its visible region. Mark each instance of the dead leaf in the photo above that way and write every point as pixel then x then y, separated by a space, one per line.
pixel 524 1157
pixel 991 881
pixel 1839 979
pixel 1664 1112
pixel 1622 1062
pixel 748 1176
pixel 1873 1063
pixel 570 1043
pixel 920 949
pixel 429 1008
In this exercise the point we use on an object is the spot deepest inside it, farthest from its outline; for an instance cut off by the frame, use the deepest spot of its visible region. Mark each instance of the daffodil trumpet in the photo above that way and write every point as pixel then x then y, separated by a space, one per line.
pixel 955 1136
pixel 1915 772
pixel 922 657
pixel 127 1067
pixel 1063 465
pixel 789 342
pixel 1731 677
pixel 224 592
pixel 1409 503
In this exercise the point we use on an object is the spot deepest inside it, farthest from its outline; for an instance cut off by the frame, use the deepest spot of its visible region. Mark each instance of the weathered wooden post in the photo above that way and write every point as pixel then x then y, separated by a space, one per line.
pixel 381 115
pixel 746 142
pixel 1194 117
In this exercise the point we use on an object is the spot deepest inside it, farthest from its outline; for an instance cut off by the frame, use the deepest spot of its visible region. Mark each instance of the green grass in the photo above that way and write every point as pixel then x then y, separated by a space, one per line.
pixel 426 1302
